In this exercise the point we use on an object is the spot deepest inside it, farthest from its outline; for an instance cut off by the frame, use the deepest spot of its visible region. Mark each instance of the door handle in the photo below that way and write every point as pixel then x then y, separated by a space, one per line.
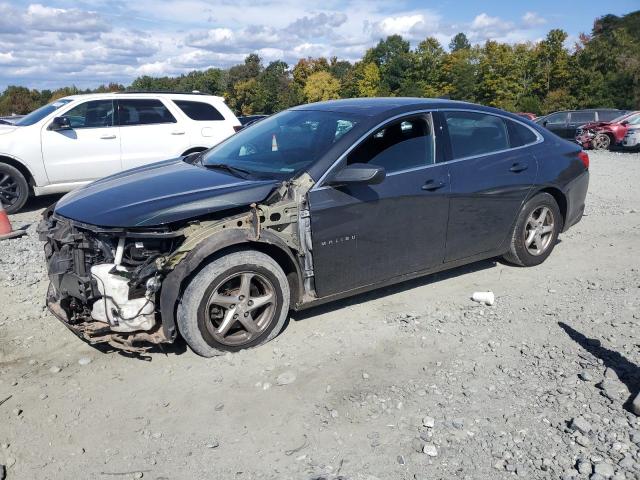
pixel 518 167
pixel 433 185
pixel 177 132
pixel 109 136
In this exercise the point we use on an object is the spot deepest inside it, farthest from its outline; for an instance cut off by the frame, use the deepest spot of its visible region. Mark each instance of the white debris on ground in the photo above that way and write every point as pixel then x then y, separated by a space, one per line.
pixel 411 382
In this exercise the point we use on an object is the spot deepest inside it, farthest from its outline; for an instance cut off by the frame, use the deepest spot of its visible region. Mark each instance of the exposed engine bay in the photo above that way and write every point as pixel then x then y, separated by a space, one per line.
pixel 106 283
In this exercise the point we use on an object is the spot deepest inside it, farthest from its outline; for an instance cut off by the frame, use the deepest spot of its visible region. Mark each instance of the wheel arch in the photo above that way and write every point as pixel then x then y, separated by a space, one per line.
pixel 559 197
pixel 213 248
pixel 21 167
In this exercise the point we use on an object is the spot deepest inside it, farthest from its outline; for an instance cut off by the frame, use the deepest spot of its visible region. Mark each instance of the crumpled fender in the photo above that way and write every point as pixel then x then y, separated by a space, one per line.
pixel 172 283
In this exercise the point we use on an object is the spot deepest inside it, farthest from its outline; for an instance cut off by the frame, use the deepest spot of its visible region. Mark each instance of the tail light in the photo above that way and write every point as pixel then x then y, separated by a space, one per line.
pixel 237 128
pixel 584 157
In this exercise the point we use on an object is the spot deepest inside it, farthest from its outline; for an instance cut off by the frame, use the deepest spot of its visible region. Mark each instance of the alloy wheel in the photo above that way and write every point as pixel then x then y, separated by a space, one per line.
pixel 9 190
pixel 538 231
pixel 601 142
pixel 241 308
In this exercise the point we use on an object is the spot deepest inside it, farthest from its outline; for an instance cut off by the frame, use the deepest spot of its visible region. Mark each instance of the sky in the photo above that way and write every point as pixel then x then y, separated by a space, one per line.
pixel 90 42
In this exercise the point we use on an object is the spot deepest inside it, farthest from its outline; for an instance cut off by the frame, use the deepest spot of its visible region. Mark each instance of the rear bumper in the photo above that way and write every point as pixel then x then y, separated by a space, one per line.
pixel 576 194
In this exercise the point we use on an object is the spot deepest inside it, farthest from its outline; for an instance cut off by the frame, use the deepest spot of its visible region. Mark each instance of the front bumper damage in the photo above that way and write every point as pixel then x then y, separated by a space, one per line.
pixel 120 286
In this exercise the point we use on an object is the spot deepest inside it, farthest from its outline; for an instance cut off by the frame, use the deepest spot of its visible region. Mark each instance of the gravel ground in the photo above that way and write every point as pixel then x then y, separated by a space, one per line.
pixel 409 382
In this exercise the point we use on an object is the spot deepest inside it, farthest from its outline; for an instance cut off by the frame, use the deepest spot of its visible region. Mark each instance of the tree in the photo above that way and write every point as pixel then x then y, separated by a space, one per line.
pixel 321 86
pixel 18 100
pixel 427 69
pixel 369 84
pixel 459 74
pixel 459 42
pixel 393 57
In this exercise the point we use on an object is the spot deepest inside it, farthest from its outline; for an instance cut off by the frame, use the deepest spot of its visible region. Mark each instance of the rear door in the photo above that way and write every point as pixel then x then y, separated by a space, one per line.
pixel 492 170
pixel 364 234
pixel 557 123
pixel 87 151
pixel 149 132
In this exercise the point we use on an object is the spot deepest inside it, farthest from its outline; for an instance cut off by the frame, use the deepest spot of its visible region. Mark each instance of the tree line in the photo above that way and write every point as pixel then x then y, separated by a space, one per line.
pixel 602 69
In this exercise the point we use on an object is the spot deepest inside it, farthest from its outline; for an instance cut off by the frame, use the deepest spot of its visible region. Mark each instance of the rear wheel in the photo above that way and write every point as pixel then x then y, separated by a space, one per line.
pixel 14 189
pixel 536 231
pixel 238 301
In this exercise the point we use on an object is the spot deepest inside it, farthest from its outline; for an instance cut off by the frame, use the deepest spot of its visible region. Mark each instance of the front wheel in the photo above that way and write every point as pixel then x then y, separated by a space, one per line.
pixel 14 189
pixel 602 141
pixel 536 231
pixel 238 301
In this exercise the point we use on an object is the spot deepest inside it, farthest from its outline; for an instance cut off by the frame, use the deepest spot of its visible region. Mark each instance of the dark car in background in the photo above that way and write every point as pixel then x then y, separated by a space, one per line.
pixel 604 135
pixel 315 203
pixel 565 123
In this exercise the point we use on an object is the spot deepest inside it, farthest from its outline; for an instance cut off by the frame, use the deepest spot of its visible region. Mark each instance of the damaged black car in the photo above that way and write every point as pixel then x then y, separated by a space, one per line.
pixel 316 203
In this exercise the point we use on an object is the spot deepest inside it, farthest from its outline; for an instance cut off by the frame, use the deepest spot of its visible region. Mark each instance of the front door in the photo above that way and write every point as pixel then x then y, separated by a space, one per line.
pixel 363 234
pixel 89 150
pixel 491 174
pixel 150 132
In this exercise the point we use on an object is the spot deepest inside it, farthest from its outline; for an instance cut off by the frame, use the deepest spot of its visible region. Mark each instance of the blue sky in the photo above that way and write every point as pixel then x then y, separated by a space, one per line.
pixel 89 42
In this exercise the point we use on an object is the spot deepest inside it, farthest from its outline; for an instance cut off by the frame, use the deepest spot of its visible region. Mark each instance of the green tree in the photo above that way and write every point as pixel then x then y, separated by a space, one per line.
pixel 369 84
pixel 427 69
pixel 393 57
pixel 459 42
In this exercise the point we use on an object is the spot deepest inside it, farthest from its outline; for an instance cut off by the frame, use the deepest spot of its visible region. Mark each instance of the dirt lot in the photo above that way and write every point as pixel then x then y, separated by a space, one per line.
pixel 413 381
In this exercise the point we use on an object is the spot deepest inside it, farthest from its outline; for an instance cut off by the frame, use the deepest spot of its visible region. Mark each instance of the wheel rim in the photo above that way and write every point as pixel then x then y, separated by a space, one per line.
pixel 9 190
pixel 538 232
pixel 240 308
pixel 601 142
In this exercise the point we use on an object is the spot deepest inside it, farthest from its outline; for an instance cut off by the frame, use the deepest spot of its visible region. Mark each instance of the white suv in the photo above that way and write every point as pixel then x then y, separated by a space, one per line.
pixel 81 138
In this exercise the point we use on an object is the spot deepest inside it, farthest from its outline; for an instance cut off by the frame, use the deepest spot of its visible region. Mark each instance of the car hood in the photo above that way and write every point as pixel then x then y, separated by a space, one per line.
pixel 596 125
pixel 4 129
pixel 160 193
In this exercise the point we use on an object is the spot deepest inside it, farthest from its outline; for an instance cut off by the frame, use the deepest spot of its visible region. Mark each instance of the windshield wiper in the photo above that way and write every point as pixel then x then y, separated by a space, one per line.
pixel 238 172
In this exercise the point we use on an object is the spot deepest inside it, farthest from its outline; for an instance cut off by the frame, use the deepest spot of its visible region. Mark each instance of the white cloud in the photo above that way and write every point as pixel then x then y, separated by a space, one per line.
pixel 532 19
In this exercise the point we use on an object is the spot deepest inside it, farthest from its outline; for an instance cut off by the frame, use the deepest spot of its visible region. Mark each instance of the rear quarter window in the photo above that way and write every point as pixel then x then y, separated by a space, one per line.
pixel 519 135
pixel 199 111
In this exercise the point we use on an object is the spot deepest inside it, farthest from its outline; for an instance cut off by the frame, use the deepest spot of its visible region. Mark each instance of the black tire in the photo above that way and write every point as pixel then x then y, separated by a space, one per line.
pixel 14 189
pixel 521 254
pixel 195 310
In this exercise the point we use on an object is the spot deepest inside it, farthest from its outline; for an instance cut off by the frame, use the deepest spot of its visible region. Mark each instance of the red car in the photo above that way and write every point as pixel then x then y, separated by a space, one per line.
pixel 601 135
pixel 527 115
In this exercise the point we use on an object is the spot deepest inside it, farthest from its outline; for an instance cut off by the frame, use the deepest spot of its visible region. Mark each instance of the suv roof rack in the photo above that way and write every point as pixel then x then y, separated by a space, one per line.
pixel 193 92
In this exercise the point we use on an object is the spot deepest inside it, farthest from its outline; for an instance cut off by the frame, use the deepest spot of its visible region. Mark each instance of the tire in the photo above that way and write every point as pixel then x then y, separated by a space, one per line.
pixel 520 253
pixel 602 141
pixel 206 308
pixel 14 189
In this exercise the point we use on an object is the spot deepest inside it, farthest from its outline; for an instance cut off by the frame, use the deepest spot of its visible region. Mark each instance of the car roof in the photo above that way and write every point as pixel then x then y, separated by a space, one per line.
pixel 380 105
pixel 175 96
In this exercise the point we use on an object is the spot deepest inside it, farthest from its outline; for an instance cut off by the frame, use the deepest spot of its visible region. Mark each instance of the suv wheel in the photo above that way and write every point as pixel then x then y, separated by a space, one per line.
pixel 536 231
pixel 237 301
pixel 14 189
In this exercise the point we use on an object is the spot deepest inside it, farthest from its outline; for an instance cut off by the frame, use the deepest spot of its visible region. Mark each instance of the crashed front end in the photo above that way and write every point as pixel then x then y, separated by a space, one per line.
pixel 120 285
pixel 105 282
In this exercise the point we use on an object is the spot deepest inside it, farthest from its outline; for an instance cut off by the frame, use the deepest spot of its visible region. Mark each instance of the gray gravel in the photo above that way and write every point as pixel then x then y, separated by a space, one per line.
pixel 412 382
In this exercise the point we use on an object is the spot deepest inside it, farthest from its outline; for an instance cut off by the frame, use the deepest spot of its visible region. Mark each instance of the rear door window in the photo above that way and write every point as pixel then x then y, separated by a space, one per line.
pixel 402 145
pixel 475 133
pixel 200 111
pixel 93 114
pixel 582 117
pixel 146 111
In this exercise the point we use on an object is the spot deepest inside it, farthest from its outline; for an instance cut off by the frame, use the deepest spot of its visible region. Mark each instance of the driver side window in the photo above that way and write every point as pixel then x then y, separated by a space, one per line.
pixel 407 143
pixel 93 114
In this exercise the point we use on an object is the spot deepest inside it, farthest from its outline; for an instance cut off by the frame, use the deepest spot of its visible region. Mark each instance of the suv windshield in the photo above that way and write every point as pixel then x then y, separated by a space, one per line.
pixel 282 145
pixel 42 112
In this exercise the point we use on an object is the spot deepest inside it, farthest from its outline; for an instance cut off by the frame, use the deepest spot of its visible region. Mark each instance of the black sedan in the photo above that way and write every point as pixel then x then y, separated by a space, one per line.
pixel 318 202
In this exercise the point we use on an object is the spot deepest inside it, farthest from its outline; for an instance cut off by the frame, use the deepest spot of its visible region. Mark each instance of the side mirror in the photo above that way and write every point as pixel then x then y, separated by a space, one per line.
pixel 59 123
pixel 359 173
pixel 625 122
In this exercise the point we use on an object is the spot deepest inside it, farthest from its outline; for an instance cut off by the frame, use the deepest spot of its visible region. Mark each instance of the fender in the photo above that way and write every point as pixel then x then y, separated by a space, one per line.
pixel 172 284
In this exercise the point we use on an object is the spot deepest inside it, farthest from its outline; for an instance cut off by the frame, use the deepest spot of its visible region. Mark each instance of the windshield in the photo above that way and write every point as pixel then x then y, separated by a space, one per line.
pixel 42 112
pixel 283 145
